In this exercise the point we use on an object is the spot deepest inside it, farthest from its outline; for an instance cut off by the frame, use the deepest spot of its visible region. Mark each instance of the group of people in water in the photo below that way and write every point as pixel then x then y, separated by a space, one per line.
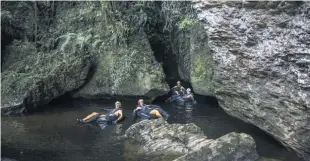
pixel 142 110
pixel 180 94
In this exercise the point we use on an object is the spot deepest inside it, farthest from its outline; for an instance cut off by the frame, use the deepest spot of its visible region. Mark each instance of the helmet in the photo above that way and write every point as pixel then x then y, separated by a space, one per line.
pixel 118 103
pixel 188 90
pixel 178 82
pixel 140 100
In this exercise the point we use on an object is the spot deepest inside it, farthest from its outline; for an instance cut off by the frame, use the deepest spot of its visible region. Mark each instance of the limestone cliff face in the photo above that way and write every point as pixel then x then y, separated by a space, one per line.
pixel 262 59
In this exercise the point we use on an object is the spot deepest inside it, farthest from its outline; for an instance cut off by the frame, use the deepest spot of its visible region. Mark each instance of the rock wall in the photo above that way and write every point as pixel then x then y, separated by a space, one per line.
pixel 126 68
pixel 32 78
pixel 64 45
pixel 262 59
pixel 195 65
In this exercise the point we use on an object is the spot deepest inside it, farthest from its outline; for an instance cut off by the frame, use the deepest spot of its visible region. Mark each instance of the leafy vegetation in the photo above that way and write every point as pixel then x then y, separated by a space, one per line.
pixel 187 23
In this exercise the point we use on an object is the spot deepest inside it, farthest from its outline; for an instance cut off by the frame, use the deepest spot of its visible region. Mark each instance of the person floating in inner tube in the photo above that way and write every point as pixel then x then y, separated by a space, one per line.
pixel 178 89
pixel 149 111
pixel 112 115
pixel 177 92
pixel 189 97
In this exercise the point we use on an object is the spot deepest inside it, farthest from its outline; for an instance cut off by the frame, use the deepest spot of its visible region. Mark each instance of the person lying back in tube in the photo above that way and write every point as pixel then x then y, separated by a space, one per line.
pixel 110 116
pixel 149 111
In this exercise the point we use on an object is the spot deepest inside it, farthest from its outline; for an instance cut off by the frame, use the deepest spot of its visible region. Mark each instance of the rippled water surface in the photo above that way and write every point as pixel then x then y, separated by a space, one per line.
pixel 53 135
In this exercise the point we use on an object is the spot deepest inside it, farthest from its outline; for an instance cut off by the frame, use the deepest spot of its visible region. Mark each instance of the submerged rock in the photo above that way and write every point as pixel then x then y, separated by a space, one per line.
pixel 262 71
pixel 157 137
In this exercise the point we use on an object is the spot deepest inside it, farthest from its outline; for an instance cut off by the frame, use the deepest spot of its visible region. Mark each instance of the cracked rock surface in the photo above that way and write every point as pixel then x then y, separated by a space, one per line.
pixel 157 137
pixel 262 58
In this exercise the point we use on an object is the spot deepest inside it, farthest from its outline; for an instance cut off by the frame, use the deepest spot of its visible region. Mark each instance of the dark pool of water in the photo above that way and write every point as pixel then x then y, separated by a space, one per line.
pixel 53 135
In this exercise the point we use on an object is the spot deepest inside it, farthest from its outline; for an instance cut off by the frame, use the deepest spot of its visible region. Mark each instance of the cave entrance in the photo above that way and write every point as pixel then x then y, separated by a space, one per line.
pixel 161 44
pixel 163 54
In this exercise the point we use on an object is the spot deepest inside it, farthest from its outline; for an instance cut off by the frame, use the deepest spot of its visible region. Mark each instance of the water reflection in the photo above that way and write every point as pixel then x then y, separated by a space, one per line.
pixel 189 113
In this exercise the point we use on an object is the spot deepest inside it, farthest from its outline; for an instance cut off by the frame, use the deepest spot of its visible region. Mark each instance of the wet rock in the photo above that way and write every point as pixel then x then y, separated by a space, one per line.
pixel 157 137
pixel 233 146
pixel 261 72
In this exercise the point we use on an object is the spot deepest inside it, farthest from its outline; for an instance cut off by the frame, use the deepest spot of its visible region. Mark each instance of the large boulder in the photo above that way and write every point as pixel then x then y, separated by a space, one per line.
pixel 157 137
pixel 262 65
pixel 31 79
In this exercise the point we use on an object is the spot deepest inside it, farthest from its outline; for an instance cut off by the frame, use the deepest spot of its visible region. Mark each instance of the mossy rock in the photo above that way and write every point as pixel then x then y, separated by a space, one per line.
pixel 202 74
pixel 35 78
pixel 129 70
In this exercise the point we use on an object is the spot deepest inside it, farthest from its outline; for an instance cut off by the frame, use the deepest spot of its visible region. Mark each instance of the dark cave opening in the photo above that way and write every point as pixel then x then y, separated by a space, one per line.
pixel 164 54
pixel 161 45
pixel 160 42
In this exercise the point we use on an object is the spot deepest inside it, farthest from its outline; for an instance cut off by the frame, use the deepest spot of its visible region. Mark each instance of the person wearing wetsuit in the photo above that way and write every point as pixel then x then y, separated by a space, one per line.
pixel 148 111
pixel 178 89
pixel 113 115
pixel 177 92
pixel 189 97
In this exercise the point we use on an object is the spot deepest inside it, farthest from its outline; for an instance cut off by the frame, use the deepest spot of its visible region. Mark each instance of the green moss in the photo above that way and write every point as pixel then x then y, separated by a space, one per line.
pixel 202 73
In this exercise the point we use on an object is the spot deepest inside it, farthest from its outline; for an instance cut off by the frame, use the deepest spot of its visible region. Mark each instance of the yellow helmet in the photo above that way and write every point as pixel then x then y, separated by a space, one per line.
pixel 118 103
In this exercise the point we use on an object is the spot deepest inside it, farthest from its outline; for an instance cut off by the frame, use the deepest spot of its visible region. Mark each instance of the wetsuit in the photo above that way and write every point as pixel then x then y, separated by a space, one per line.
pixel 178 90
pixel 148 112
pixel 189 98
pixel 112 115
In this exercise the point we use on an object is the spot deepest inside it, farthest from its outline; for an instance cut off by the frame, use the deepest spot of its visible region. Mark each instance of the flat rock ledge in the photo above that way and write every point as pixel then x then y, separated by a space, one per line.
pixel 157 137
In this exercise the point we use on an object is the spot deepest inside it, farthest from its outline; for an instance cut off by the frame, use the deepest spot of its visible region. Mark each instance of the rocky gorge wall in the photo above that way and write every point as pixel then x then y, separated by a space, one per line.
pixel 91 48
pixel 261 52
